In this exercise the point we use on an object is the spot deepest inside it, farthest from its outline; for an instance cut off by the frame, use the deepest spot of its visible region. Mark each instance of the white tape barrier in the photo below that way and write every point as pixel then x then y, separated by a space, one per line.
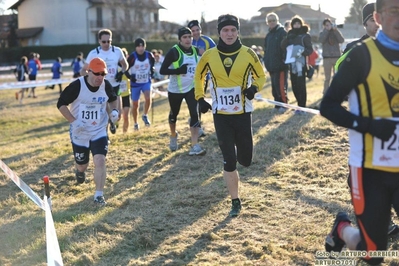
pixel 45 65
pixel 40 75
pixel 22 185
pixel 33 83
pixel 258 97
pixel 53 248
pixel 48 82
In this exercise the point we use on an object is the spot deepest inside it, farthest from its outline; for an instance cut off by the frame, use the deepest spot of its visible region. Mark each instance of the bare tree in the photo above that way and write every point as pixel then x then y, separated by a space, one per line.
pixel 355 12
pixel 168 30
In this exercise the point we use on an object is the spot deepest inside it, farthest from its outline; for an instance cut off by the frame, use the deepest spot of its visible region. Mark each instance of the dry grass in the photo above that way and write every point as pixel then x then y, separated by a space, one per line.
pixel 168 208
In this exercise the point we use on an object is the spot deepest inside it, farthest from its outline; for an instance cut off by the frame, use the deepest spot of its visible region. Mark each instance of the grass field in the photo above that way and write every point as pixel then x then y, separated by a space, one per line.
pixel 168 208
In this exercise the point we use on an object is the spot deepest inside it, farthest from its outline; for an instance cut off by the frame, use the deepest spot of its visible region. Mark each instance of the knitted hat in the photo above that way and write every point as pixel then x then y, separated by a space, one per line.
pixel 193 23
pixel 139 41
pixel 225 20
pixel 368 11
pixel 182 31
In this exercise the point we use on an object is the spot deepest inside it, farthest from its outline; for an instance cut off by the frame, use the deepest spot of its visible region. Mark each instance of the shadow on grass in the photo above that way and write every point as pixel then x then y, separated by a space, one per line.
pixel 159 199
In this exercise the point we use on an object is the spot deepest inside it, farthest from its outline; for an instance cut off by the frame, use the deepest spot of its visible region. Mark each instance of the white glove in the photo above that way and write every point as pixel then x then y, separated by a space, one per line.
pixel 78 126
pixel 114 116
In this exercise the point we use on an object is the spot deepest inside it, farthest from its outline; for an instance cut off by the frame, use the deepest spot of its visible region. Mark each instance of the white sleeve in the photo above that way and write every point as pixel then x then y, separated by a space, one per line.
pixel 91 55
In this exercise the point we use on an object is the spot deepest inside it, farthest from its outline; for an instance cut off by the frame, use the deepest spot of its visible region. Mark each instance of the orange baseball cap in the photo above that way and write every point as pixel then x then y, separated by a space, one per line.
pixel 98 65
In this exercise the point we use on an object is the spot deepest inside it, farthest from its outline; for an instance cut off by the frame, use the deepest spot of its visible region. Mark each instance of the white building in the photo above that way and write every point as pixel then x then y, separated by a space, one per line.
pixel 60 22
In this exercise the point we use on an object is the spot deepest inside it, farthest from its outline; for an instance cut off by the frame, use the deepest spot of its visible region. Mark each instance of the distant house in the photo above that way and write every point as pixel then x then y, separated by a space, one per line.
pixel 313 18
pixel 61 22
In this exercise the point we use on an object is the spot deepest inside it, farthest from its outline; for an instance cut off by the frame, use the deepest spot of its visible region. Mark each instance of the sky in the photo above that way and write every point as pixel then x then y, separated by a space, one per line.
pixel 181 11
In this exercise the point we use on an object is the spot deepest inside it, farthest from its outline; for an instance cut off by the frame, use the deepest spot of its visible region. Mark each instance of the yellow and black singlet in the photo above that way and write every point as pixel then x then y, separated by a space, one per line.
pixel 230 74
pixel 369 75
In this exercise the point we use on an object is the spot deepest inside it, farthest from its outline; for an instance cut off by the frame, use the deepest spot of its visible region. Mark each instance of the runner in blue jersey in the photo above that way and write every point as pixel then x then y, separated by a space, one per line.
pixel 141 70
pixel 202 42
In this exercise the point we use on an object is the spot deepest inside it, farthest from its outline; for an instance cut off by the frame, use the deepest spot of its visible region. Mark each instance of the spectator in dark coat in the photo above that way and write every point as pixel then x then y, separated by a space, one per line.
pixel 274 57
pixel 300 40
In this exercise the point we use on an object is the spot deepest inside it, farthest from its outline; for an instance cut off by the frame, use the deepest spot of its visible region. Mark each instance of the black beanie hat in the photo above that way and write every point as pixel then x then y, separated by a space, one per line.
pixel 193 23
pixel 228 19
pixel 294 20
pixel 367 11
pixel 182 31
pixel 139 41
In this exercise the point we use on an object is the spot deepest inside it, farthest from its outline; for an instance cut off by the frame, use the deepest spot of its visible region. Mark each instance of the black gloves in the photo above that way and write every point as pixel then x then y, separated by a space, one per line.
pixel 379 128
pixel 182 69
pixel 133 78
pixel 127 74
pixel 250 92
pixel 204 106
pixel 118 76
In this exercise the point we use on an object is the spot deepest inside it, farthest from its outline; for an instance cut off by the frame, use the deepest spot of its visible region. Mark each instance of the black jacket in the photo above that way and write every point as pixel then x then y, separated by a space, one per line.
pixel 352 44
pixel 275 56
pixel 299 37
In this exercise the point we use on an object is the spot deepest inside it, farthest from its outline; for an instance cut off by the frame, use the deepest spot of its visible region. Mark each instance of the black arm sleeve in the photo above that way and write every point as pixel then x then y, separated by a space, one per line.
pixel 110 91
pixel 69 94
pixel 130 61
pixel 152 63
pixel 352 72
pixel 171 56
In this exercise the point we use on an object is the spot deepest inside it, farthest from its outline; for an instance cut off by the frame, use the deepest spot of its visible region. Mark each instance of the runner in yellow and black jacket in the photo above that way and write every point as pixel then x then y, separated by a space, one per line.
pixel 236 74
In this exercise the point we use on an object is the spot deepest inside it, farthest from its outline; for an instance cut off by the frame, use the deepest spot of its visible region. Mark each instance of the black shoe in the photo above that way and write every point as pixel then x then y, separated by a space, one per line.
pixel 333 242
pixel 112 127
pixel 235 208
pixel 100 201
pixel 80 177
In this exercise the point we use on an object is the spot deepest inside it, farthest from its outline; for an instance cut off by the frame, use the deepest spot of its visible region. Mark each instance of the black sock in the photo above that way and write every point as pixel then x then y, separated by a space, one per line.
pixel 235 201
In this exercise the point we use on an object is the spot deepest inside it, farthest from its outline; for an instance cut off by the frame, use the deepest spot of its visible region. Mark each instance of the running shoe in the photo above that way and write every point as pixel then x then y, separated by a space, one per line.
pixel 100 200
pixel 136 127
pixel 146 120
pixel 235 208
pixel 173 143
pixel 333 241
pixel 80 177
pixel 196 150
pixel 201 132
